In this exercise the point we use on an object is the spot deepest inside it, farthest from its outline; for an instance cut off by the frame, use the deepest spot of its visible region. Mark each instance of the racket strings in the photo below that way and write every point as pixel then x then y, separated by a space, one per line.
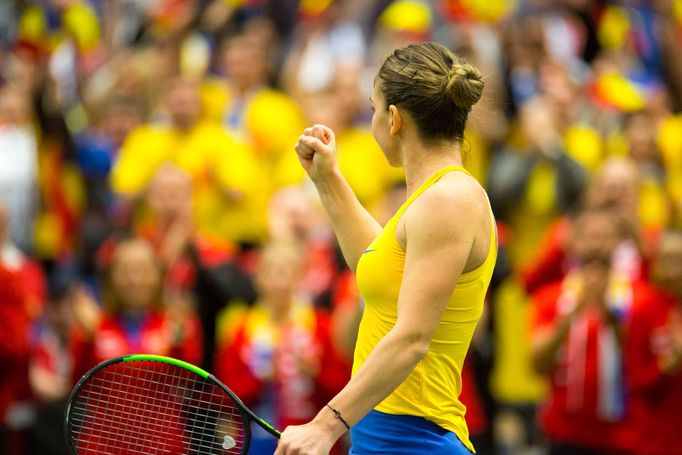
pixel 147 407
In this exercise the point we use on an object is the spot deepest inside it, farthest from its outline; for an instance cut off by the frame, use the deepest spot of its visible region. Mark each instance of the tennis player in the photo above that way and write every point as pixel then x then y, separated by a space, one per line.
pixel 423 275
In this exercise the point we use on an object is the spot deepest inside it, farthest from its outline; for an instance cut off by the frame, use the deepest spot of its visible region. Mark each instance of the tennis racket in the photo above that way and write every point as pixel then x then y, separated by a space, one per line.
pixel 149 404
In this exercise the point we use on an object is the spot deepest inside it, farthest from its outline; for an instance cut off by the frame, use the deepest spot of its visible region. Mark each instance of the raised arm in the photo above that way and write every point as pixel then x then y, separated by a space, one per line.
pixel 355 228
pixel 436 255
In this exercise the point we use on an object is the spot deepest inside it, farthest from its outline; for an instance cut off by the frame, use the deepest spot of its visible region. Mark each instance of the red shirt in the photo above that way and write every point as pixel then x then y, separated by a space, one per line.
pixel 657 397
pixel 15 320
pixel 155 336
pixel 580 424
pixel 247 366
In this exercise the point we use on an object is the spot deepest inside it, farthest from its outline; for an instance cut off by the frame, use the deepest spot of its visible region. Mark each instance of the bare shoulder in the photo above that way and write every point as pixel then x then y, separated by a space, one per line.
pixel 455 193
pixel 453 211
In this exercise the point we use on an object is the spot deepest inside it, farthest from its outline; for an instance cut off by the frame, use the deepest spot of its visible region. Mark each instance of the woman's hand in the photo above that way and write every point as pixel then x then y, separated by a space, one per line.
pixel 316 150
pixel 595 276
pixel 178 312
pixel 177 239
pixel 310 439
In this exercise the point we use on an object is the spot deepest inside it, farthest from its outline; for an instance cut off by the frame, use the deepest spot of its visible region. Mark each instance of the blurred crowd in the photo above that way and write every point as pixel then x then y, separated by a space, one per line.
pixel 151 201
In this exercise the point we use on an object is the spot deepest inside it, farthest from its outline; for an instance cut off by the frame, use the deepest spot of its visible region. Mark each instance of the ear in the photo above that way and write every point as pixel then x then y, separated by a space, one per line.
pixel 396 121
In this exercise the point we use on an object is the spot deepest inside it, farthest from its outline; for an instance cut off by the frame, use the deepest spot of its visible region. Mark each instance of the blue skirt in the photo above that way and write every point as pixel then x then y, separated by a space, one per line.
pixel 380 433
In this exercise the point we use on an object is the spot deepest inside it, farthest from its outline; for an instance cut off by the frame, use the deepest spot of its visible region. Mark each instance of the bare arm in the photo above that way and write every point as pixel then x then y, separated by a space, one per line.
pixel 355 228
pixel 547 342
pixel 436 254
pixel 546 345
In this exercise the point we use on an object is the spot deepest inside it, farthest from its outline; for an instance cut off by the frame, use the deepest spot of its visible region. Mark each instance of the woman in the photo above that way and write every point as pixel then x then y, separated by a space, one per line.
pixel 136 317
pixel 423 275
pixel 578 326
pixel 279 358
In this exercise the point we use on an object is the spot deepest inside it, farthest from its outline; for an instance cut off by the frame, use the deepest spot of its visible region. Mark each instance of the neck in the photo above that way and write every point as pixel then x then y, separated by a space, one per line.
pixel 279 311
pixel 131 314
pixel 184 127
pixel 422 161
pixel 243 90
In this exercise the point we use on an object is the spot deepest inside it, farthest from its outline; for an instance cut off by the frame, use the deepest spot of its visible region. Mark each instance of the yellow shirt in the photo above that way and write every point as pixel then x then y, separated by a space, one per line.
pixel 228 198
pixel 432 389
pixel 267 120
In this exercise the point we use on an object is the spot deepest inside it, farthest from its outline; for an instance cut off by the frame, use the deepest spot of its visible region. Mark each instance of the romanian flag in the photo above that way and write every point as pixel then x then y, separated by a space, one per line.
pixel 62 201
pixel 613 90
pixel 490 11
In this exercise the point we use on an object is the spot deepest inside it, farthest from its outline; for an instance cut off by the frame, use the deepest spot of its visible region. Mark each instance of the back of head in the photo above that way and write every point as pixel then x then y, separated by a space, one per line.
pixel 436 87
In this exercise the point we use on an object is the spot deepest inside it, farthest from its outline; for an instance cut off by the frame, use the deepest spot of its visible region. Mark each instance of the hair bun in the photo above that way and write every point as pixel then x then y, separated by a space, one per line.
pixel 464 84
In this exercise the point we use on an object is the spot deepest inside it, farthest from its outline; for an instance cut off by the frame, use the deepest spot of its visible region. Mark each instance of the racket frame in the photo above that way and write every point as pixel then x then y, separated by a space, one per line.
pixel 246 413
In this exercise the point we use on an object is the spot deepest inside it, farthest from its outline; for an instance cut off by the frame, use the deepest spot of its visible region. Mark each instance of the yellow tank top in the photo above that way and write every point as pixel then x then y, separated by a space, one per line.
pixel 432 389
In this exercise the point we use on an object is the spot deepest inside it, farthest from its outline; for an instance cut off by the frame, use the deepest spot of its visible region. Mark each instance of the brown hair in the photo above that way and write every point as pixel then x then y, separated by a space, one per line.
pixel 436 87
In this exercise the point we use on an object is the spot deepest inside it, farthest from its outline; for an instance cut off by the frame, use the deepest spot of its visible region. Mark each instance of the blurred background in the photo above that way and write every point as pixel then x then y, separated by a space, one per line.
pixel 151 200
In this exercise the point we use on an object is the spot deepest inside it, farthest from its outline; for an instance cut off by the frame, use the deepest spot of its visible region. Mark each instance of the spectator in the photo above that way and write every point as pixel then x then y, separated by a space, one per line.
pixel 279 358
pixel 136 317
pixel 22 292
pixel 531 181
pixel 197 265
pixel 223 173
pixel 96 150
pixel 531 185
pixel 15 320
pixel 51 364
pixel 294 215
pixel 615 186
pixel 655 354
pixel 267 120
pixel 578 328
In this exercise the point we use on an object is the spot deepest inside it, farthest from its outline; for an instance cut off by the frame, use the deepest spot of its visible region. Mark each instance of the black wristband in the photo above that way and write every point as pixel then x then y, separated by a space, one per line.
pixel 337 414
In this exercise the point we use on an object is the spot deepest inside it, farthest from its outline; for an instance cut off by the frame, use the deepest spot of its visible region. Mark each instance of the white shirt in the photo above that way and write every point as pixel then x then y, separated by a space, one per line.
pixel 18 181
